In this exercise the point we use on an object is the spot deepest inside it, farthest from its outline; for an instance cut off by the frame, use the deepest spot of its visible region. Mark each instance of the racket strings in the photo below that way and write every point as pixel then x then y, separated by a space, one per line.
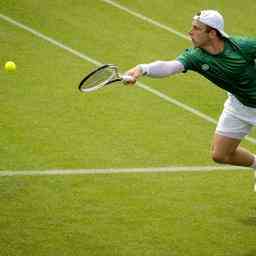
pixel 99 77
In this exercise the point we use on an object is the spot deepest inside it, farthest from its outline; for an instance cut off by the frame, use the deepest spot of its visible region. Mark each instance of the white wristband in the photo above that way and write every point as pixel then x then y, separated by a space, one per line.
pixel 143 68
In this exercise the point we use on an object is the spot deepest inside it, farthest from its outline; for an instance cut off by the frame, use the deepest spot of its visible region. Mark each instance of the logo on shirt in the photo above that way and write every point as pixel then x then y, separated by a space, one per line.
pixel 205 67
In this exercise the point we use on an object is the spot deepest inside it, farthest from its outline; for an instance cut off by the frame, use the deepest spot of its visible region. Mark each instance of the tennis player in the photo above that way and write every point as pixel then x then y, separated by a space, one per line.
pixel 228 62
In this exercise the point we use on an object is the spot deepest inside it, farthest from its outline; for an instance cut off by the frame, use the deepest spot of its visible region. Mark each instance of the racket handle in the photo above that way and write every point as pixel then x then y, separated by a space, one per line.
pixel 127 78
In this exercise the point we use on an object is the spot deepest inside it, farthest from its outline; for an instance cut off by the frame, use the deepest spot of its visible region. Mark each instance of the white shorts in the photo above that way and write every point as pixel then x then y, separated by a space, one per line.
pixel 236 120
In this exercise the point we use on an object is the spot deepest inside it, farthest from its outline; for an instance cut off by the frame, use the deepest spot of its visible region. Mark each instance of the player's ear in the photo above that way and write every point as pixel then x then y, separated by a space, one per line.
pixel 213 33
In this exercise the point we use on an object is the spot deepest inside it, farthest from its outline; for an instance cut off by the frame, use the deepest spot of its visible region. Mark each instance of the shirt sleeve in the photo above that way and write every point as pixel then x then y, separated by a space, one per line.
pixel 186 58
pixel 252 46
pixel 248 46
pixel 162 68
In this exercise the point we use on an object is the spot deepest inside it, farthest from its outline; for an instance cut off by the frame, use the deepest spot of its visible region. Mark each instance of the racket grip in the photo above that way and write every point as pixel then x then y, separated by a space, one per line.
pixel 127 78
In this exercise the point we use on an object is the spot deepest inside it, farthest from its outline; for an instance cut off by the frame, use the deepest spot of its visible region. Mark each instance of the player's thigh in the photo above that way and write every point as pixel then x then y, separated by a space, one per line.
pixel 223 146
pixel 229 133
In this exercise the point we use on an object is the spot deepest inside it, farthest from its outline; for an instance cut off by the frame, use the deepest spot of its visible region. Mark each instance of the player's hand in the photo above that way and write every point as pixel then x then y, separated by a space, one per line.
pixel 135 73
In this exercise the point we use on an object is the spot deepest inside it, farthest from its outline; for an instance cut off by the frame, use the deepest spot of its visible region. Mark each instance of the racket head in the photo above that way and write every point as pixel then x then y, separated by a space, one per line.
pixel 98 78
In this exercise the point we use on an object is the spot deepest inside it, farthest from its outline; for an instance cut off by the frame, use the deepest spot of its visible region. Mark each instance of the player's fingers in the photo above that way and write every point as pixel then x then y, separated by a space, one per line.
pixel 128 79
pixel 135 73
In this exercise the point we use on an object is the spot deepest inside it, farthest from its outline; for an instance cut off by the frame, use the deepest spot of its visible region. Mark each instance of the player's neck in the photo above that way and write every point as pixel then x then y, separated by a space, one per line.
pixel 215 47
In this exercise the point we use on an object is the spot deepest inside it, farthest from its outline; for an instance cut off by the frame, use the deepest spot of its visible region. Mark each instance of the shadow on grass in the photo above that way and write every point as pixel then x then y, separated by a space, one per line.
pixel 251 253
pixel 250 220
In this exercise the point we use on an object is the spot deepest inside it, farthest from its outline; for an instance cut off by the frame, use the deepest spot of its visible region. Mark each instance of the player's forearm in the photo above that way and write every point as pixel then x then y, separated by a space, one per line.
pixel 161 68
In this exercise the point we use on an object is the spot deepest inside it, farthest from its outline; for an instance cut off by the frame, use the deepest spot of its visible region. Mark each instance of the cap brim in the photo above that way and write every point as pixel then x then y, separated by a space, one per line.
pixel 224 34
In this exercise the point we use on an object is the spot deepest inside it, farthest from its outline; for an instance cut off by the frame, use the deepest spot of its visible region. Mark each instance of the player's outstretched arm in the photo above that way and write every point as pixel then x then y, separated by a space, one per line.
pixel 156 69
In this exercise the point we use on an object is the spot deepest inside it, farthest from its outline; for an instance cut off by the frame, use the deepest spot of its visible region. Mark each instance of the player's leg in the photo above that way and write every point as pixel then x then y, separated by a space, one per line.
pixel 235 122
pixel 226 150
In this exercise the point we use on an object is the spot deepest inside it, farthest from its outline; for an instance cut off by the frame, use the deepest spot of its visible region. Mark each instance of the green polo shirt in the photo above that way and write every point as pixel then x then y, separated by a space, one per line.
pixel 234 69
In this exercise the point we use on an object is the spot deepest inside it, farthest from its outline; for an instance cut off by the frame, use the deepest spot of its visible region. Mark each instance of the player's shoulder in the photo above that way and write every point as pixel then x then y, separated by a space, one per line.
pixel 192 52
pixel 190 57
pixel 243 41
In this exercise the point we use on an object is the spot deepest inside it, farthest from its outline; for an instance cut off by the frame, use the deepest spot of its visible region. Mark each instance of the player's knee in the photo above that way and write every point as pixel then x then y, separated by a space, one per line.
pixel 218 157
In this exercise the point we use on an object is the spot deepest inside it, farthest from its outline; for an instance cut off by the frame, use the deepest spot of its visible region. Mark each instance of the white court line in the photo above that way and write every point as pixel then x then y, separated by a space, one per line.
pixel 173 31
pixel 97 63
pixel 147 19
pixel 50 40
pixel 121 170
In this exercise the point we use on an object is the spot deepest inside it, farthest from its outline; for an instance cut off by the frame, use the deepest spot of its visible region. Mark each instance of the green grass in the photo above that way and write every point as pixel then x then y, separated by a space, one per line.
pixel 129 214
pixel 47 124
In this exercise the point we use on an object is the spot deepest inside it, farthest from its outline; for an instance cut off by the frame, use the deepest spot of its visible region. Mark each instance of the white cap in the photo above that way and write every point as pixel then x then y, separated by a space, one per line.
pixel 213 19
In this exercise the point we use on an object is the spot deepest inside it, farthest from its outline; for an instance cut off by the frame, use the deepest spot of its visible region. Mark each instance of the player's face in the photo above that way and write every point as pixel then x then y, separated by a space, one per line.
pixel 199 34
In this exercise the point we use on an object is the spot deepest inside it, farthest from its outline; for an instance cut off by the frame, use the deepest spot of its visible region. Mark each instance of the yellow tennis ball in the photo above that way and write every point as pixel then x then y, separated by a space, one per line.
pixel 10 66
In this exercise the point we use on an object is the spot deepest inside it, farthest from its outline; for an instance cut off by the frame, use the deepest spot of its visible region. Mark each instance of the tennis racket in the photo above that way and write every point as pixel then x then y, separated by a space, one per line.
pixel 102 76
